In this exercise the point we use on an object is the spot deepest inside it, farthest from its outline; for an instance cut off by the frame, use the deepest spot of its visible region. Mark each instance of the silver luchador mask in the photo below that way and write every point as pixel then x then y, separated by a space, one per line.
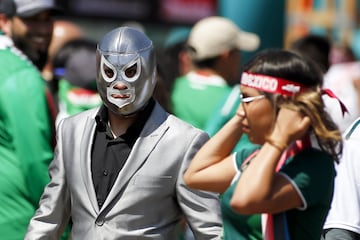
pixel 126 70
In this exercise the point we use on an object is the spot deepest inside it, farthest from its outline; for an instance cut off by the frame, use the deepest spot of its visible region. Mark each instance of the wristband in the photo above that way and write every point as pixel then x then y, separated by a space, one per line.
pixel 278 146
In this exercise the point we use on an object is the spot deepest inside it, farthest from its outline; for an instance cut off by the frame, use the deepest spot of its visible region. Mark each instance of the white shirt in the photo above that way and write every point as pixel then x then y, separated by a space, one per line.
pixel 345 208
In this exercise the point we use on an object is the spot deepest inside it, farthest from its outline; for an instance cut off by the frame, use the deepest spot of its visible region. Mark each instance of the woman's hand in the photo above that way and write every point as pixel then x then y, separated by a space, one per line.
pixel 290 125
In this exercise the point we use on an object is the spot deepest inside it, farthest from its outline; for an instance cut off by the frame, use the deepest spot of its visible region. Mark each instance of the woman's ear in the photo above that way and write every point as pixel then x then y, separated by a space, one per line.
pixel 282 99
pixel 278 101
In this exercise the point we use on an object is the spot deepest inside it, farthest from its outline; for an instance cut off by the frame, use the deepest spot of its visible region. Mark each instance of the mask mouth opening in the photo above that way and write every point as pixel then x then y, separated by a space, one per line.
pixel 120 94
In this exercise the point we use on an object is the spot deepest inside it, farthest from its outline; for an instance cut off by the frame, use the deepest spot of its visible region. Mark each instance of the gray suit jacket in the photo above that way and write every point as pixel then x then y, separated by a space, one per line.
pixel 149 196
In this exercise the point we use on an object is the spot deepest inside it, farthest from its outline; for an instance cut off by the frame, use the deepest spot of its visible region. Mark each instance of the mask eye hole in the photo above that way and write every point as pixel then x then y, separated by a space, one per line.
pixel 131 71
pixel 108 71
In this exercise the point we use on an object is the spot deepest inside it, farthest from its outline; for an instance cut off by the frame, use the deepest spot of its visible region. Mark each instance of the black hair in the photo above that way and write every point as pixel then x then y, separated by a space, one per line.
pixel 203 63
pixel 286 65
pixel 69 48
pixel 63 56
pixel 315 48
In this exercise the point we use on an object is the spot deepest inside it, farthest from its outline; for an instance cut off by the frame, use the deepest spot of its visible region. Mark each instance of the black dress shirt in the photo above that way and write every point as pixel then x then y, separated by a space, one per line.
pixel 108 154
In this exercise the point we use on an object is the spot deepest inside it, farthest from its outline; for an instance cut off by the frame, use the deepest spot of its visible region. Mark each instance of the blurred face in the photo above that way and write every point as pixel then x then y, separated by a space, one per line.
pixel 259 114
pixel 5 24
pixel 32 35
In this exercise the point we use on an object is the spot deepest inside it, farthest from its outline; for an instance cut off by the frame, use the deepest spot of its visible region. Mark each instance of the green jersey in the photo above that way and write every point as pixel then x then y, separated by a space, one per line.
pixel 312 173
pixel 25 140
pixel 195 97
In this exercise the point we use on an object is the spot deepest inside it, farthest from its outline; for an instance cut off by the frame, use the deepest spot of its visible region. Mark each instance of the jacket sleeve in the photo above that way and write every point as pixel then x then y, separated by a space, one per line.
pixel 29 120
pixel 201 208
pixel 53 214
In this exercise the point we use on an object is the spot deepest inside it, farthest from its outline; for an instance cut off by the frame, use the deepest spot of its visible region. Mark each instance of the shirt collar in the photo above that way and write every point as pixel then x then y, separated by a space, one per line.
pixel 134 130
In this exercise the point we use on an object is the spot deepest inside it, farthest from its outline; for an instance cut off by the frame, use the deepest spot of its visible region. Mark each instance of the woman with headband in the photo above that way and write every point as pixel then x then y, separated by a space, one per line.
pixel 283 188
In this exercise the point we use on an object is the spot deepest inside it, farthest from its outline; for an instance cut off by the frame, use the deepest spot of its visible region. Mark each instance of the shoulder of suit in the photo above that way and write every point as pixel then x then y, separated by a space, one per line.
pixel 83 116
pixel 183 126
pixel 174 123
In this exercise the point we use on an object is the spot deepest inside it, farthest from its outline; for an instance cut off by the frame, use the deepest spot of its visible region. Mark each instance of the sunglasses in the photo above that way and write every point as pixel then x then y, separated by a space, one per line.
pixel 250 99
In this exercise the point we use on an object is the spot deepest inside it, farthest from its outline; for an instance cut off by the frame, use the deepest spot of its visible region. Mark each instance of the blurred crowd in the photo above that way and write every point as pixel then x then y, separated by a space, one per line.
pixel 50 72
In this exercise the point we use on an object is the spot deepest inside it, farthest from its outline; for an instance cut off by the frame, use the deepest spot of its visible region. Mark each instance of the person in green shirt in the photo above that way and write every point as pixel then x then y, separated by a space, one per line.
pixel 75 74
pixel 25 122
pixel 216 68
pixel 283 186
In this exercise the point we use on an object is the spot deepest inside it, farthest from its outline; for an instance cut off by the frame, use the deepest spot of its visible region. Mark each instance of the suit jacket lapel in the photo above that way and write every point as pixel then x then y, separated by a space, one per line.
pixel 153 130
pixel 85 158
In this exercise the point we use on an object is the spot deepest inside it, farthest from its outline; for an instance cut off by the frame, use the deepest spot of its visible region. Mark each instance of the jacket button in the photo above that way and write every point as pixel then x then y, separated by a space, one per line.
pixel 99 222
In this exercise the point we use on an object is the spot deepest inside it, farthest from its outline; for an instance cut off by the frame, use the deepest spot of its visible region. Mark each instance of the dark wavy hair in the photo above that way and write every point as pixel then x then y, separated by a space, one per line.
pixel 290 66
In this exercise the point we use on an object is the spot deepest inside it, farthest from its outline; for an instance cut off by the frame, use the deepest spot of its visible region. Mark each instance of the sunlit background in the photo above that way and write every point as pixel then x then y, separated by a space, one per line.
pixel 277 22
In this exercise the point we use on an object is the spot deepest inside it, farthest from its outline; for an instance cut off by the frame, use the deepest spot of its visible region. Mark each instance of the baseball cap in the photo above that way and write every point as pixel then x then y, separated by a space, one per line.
pixel 28 8
pixel 213 35
pixel 8 7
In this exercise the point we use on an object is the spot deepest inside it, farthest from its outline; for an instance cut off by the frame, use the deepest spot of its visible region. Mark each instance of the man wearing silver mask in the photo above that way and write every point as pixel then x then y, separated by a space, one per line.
pixel 127 71
pixel 118 169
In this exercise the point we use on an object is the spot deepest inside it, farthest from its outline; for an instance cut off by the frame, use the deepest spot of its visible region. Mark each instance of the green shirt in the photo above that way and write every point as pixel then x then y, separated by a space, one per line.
pixel 236 226
pixel 73 99
pixel 25 141
pixel 195 97
pixel 312 172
